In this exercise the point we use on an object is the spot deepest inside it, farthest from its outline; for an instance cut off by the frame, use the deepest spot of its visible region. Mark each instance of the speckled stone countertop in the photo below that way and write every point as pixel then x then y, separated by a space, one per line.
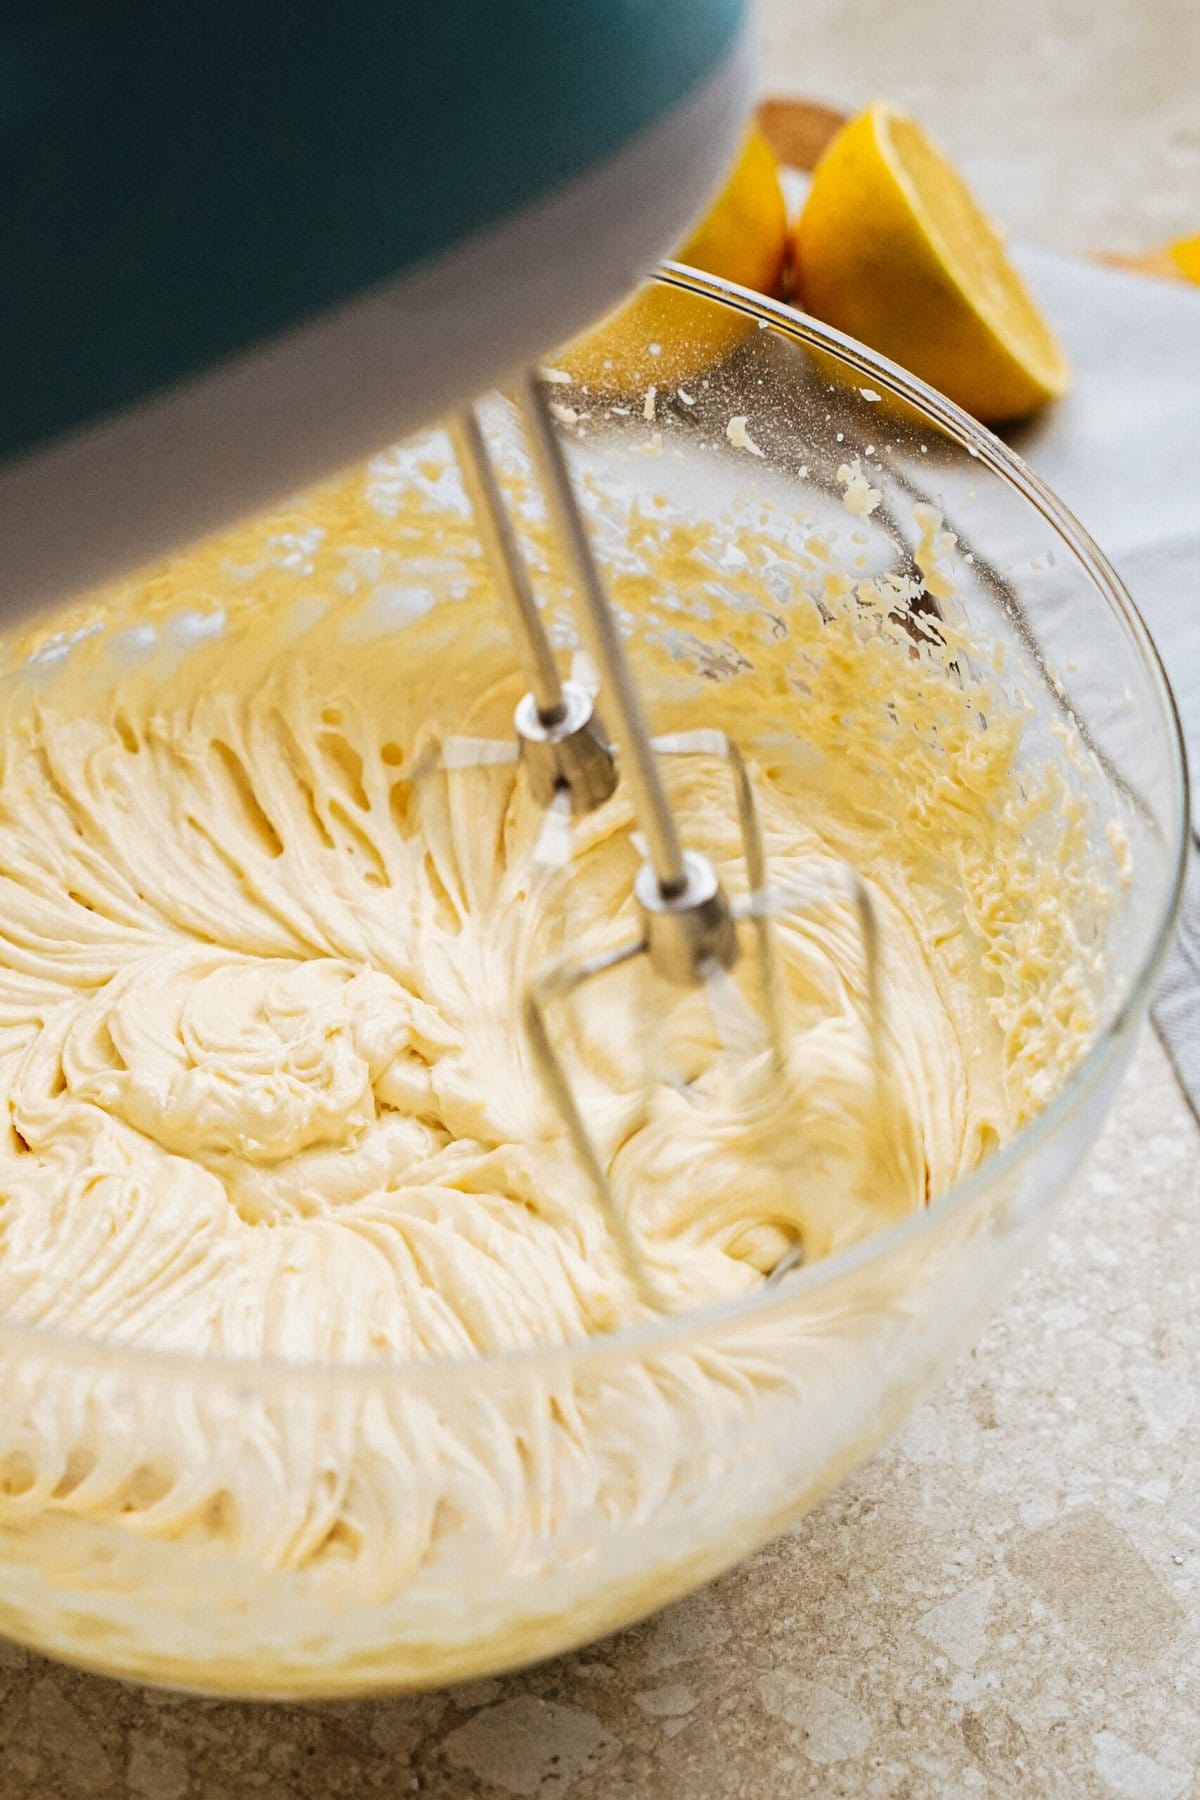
pixel 1076 124
pixel 1005 1601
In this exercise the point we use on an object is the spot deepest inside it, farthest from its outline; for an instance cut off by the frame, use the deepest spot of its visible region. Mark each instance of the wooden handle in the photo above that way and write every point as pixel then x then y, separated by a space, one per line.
pixel 798 130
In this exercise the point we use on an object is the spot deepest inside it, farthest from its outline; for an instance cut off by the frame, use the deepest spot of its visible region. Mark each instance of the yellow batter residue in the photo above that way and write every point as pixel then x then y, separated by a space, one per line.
pixel 262 1081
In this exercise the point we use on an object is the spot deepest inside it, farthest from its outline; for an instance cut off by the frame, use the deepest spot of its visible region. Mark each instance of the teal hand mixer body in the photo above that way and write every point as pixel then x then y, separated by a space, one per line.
pixel 246 245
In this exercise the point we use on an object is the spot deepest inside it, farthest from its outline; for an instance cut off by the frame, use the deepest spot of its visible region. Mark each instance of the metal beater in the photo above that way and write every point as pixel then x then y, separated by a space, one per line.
pixel 688 923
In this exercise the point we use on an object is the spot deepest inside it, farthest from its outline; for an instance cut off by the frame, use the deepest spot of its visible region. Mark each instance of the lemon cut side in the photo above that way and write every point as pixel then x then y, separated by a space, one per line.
pixel 892 248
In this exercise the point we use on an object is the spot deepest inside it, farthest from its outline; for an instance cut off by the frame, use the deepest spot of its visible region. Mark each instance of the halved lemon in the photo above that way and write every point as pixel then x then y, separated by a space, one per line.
pixel 1186 257
pixel 892 248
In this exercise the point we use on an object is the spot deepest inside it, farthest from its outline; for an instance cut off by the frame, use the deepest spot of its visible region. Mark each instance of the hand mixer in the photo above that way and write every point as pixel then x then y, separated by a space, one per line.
pixel 246 246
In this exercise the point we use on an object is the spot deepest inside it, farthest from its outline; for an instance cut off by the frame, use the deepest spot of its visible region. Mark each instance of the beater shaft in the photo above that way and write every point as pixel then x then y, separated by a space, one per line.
pixel 621 700
pixel 507 565
pixel 560 740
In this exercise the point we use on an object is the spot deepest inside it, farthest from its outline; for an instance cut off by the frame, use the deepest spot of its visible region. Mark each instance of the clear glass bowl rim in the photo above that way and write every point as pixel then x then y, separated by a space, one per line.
pixel 672 1332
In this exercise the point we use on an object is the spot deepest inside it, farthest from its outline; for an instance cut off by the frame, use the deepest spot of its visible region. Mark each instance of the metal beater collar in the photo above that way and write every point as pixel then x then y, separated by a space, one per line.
pixel 691 929
pixel 565 750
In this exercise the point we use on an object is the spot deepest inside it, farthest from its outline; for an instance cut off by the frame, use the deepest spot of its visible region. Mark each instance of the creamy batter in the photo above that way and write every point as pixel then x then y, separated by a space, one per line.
pixel 263 1086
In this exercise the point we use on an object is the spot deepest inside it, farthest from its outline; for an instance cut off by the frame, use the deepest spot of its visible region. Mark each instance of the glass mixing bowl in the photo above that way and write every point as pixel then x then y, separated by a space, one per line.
pixel 840 1350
